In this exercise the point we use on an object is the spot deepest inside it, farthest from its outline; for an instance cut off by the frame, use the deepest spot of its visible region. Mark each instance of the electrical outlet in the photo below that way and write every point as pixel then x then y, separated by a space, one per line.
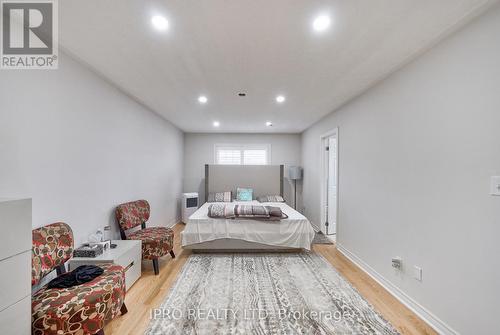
pixel 417 273
pixel 397 263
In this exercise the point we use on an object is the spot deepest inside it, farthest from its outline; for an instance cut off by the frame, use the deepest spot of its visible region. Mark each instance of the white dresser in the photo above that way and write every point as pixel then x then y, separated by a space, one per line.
pixel 15 266
pixel 127 253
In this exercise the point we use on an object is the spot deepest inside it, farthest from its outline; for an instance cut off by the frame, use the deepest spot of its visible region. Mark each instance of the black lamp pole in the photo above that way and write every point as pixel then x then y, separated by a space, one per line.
pixel 295 195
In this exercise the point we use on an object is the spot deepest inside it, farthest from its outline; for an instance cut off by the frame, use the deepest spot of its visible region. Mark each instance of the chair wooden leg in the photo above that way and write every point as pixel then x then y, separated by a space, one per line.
pixel 100 332
pixel 123 309
pixel 155 266
pixel 172 253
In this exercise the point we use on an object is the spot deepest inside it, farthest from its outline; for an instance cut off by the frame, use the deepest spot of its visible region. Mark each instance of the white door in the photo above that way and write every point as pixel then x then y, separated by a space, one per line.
pixel 329 190
pixel 324 184
pixel 332 186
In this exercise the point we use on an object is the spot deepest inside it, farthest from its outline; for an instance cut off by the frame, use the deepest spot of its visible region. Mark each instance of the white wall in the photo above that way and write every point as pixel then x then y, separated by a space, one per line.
pixel 199 150
pixel 79 147
pixel 416 155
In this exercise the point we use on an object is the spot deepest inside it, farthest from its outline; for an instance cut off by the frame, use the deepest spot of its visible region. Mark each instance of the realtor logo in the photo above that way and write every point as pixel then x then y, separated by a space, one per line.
pixel 29 34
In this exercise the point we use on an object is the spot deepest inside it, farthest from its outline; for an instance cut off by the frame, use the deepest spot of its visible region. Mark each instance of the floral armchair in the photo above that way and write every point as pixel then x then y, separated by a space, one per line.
pixel 78 310
pixel 156 241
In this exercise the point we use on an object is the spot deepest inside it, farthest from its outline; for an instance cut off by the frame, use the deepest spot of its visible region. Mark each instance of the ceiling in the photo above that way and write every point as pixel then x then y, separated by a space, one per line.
pixel 264 48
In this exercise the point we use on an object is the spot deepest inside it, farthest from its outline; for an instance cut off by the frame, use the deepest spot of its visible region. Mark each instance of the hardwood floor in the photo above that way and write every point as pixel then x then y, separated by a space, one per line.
pixel 150 291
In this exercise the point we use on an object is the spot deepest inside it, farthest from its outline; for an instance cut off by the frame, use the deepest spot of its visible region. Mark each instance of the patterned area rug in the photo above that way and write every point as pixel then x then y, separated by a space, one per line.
pixel 321 238
pixel 264 294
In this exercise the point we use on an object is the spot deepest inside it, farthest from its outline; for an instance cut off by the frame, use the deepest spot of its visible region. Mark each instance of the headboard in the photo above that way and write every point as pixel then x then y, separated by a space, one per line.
pixel 263 179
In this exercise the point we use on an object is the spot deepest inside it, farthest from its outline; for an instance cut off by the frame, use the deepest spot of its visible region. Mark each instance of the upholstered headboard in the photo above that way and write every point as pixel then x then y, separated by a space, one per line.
pixel 263 179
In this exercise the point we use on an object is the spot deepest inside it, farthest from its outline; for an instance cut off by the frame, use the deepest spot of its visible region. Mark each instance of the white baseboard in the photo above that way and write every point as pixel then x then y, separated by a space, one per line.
pixel 440 326
pixel 173 223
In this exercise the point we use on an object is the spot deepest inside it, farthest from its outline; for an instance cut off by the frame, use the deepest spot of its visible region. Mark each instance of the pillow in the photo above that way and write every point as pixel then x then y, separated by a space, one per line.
pixel 220 197
pixel 271 198
pixel 244 194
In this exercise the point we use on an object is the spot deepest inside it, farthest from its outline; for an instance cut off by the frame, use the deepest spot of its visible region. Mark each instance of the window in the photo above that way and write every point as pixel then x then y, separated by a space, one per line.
pixel 227 154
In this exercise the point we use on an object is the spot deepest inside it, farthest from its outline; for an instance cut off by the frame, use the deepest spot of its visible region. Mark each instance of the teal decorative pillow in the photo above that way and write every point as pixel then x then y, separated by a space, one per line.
pixel 244 194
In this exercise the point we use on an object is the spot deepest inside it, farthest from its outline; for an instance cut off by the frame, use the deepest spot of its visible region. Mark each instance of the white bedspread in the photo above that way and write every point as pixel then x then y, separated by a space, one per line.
pixel 294 232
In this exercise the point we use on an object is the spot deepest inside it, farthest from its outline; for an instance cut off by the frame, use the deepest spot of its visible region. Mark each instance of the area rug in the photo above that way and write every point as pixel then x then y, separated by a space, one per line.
pixel 320 238
pixel 264 294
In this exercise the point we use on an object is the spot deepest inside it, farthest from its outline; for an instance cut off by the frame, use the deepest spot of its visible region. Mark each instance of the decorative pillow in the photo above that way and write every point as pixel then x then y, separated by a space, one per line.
pixel 220 197
pixel 271 198
pixel 244 194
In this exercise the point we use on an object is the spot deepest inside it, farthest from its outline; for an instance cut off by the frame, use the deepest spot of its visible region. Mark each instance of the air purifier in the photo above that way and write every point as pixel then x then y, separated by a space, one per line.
pixel 189 205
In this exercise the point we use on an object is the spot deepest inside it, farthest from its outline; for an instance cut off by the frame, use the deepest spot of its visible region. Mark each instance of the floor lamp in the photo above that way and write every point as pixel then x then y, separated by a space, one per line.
pixel 295 173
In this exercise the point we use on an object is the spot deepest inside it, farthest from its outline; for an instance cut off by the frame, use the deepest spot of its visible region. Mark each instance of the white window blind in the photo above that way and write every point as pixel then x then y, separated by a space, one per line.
pixel 255 157
pixel 228 156
pixel 242 154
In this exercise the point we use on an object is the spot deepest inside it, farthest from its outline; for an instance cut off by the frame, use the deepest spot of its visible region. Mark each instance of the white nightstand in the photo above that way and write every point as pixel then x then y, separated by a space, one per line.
pixel 127 253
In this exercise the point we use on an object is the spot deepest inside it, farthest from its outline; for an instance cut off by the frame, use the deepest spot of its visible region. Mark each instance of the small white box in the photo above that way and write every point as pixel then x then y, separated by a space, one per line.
pixel 495 185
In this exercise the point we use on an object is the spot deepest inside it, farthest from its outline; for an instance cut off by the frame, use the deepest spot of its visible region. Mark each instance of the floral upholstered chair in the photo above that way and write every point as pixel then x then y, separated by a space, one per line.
pixel 156 241
pixel 78 310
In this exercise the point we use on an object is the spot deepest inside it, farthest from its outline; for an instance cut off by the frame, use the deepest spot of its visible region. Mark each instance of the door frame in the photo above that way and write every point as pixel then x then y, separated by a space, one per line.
pixel 324 172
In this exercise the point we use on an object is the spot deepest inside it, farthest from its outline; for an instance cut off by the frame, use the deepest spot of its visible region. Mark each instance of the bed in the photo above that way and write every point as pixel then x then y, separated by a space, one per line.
pixel 205 234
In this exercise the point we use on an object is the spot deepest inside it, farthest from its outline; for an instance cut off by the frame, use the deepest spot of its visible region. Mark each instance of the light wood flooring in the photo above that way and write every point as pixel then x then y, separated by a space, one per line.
pixel 150 291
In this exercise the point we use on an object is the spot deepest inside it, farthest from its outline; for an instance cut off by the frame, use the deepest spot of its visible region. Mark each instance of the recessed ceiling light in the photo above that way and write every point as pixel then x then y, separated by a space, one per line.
pixel 202 99
pixel 269 124
pixel 280 99
pixel 321 23
pixel 216 123
pixel 159 22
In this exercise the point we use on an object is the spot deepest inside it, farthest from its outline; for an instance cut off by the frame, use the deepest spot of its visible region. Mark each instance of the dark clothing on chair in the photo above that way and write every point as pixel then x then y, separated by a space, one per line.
pixel 78 276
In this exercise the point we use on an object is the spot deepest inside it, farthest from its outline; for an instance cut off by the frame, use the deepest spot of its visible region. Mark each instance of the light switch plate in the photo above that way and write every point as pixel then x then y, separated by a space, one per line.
pixel 417 273
pixel 495 185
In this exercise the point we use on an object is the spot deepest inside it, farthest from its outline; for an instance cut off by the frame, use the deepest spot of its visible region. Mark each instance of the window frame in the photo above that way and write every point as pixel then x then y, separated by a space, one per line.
pixel 242 148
